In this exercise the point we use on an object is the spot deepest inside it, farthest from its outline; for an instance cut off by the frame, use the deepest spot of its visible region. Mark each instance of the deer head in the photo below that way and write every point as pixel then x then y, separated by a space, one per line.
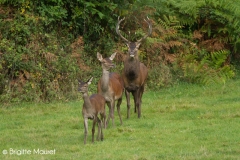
pixel 106 62
pixel 133 46
pixel 83 86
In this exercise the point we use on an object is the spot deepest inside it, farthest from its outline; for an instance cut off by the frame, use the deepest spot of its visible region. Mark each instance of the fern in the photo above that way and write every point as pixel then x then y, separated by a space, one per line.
pixel 218 58
pixel 169 22
pixel 208 69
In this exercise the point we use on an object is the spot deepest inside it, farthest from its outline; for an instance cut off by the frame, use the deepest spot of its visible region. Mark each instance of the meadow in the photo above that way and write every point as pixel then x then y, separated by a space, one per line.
pixel 185 121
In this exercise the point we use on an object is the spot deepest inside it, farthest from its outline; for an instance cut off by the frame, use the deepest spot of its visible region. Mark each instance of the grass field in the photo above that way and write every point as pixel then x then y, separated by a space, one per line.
pixel 185 121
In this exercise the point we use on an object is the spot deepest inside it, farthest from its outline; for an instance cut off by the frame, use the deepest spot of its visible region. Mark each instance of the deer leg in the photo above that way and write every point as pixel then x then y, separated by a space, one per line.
pixel 137 102
pixel 112 110
pixel 93 129
pixel 86 129
pixel 118 109
pixel 103 118
pixel 141 90
pixel 100 132
pixel 139 107
pixel 109 107
pixel 99 123
pixel 128 103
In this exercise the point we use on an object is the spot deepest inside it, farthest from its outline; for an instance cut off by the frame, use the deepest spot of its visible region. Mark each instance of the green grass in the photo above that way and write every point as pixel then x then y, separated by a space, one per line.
pixel 185 121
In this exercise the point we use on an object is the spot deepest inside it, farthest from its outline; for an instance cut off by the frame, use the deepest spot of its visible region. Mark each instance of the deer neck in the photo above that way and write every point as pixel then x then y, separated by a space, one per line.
pixel 105 80
pixel 87 102
pixel 132 64
pixel 132 68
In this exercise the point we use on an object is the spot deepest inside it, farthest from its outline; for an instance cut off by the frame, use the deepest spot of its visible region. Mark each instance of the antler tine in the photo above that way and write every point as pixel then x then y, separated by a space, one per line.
pixel 149 25
pixel 148 20
pixel 119 21
pixel 117 29
pixel 149 29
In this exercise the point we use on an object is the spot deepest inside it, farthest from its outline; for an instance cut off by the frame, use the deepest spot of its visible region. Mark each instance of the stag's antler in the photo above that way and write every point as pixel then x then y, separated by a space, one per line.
pixel 140 40
pixel 117 29
pixel 149 30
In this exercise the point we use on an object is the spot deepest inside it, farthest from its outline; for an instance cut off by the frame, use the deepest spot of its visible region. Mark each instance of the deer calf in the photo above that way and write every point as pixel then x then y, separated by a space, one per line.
pixel 92 107
pixel 110 86
pixel 134 73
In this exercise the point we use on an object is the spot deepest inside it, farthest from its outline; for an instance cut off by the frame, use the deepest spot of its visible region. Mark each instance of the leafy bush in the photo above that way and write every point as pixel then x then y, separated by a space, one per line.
pixel 34 62
pixel 45 46
pixel 40 58
pixel 198 36
pixel 206 67
pixel 218 20
pixel 159 76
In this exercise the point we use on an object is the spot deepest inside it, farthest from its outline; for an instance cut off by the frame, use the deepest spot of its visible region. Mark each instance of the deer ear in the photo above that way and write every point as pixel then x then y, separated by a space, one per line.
pixel 112 56
pixel 90 81
pixel 99 56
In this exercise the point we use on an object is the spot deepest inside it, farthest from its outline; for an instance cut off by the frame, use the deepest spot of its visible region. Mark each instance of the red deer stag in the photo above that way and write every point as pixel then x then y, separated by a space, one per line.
pixel 92 106
pixel 134 73
pixel 110 86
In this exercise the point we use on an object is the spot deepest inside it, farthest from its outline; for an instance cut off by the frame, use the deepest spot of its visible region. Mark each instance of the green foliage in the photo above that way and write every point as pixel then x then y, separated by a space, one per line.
pixel 206 67
pixel 40 58
pixel 216 19
pixel 200 33
pixel 169 22
pixel 166 40
pixel 221 19
pixel 33 61
pixel 159 76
